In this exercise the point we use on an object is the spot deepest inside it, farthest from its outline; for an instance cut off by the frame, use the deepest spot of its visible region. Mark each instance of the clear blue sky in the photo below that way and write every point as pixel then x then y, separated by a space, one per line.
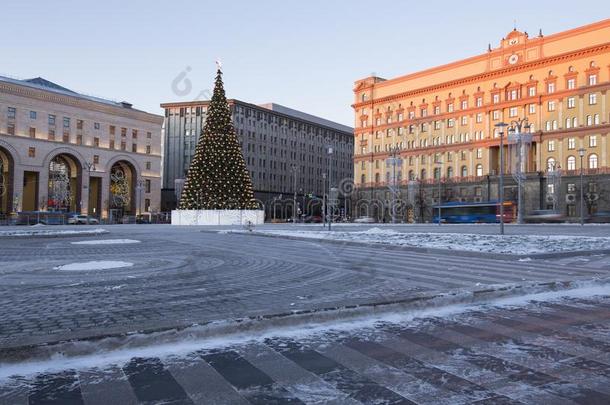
pixel 303 54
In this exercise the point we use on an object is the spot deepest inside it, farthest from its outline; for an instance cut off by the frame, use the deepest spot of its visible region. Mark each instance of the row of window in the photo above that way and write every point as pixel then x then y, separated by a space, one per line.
pixel 552 164
pixel 423 174
pixel 80 124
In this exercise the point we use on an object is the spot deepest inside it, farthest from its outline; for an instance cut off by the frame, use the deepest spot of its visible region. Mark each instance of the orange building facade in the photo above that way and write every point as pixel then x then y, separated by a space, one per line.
pixel 442 121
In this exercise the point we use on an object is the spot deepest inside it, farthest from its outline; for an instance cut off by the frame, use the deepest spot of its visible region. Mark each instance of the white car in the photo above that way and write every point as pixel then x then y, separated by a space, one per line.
pixel 364 220
pixel 82 220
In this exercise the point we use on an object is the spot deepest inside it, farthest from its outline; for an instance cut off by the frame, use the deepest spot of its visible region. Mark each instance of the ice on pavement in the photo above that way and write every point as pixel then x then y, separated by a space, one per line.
pixel 94 265
pixel 106 242
pixel 507 244
pixel 38 231
pixel 364 326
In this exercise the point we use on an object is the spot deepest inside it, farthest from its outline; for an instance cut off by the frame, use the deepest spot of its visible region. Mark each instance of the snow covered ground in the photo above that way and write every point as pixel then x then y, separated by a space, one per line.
pixel 507 244
pixel 106 242
pixel 93 265
pixel 37 231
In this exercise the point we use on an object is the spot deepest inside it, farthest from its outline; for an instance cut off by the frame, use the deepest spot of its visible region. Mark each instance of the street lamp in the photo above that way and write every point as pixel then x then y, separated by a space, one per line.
pixel 324 200
pixel 501 126
pixel 294 169
pixel 439 161
pixel 140 185
pixel 394 160
pixel 89 167
pixel 581 153
pixel 330 174
pixel 515 133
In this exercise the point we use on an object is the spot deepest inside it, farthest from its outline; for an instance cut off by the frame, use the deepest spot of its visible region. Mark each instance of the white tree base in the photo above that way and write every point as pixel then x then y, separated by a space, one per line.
pixel 217 217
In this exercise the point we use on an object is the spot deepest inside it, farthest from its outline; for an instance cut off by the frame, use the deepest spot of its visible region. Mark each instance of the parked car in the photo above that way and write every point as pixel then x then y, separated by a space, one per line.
pixel 544 216
pixel 313 219
pixel 82 220
pixel 364 220
pixel 600 217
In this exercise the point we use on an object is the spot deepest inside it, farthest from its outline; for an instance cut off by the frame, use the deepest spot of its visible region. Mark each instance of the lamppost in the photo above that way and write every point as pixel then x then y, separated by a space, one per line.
pixel 439 161
pixel 515 134
pixel 324 200
pixel 329 151
pixel 501 126
pixel 394 160
pixel 302 204
pixel 89 167
pixel 581 153
pixel 294 169
pixel 140 186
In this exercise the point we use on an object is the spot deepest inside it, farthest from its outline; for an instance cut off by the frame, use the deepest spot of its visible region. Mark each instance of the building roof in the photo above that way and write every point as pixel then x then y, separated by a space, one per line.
pixel 276 108
pixel 47 85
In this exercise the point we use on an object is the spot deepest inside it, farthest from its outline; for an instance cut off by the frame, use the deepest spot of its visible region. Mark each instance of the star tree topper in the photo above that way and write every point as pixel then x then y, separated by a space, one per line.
pixel 218 64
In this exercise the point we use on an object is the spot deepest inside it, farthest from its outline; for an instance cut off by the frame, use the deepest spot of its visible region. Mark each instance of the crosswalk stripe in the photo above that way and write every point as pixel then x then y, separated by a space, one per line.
pixel 202 382
pixel 14 391
pixel 305 385
pixel 59 388
pixel 108 386
pixel 152 382
pixel 256 386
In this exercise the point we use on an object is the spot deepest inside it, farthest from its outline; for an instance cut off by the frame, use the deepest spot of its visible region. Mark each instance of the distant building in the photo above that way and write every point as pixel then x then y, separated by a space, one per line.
pixel 442 121
pixel 65 151
pixel 274 139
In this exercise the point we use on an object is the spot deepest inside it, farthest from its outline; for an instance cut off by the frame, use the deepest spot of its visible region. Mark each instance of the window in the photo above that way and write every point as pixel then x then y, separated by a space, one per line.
pixel 148 149
pixel 10 129
pixel 550 88
pixel 596 119
pixel 593 161
pixel 496 114
pixel 479 170
pixel 589 120
pixel 96 142
pixel 571 102
pixel 96 125
pixel 12 112
pixel 33 115
pixel 51 134
pixel 479 102
pixel 532 108
pixel 66 137
pixel 437 125
pixel 592 98
pixel 513 94
pixel 450 107
pixel 479 153
pixel 571 84
pixel 51 119
pixel 147 186
pixel 571 143
pixel 571 187
pixel 496 98
pixel 571 163
pixel 550 164
pixel 79 139
pixel 450 123
pixel 112 130
pixel 464 171
pixel 531 91
pixel 551 146
pixel 513 112
pixel 31 152
pixel 551 106
pixel 147 204
pixel 66 122
pixel 464 120
pixel 479 118
pixel 568 123
pixel 592 141
pixel 148 165
pixel 32 132
pixel 464 104
pixel 123 145
pixel 592 80
pixel 111 144
pixel 79 124
pixel 149 135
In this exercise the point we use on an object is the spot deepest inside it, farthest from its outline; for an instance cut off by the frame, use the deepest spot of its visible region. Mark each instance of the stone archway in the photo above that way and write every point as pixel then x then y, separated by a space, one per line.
pixel 6 182
pixel 64 183
pixel 122 196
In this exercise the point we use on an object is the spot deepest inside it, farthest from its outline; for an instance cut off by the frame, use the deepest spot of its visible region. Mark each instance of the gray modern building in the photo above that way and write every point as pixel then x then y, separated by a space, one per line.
pixel 285 150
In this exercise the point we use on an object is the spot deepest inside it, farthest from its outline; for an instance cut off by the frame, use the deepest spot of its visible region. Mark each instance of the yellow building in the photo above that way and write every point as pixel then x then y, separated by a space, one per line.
pixel 449 114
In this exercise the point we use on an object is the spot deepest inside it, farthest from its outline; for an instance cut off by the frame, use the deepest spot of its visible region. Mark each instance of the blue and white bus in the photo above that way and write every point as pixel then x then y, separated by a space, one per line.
pixel 479 212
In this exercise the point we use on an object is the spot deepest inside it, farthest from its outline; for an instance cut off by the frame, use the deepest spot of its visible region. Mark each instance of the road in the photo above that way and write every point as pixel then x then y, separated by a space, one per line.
pixel 543 352
pixel 182 276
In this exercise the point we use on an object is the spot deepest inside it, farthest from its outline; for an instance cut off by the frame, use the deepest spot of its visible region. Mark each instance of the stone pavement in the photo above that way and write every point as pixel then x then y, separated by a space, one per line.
pixel 546 352
pixel 183 276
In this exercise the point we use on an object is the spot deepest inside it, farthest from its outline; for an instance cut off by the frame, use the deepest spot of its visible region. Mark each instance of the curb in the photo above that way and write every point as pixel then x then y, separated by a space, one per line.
pixel 42 234
pixel 168 334
pixel 461 253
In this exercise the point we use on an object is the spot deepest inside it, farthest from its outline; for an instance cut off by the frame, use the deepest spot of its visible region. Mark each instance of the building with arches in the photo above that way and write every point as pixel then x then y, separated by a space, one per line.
pixel 447 115
pixel 63 151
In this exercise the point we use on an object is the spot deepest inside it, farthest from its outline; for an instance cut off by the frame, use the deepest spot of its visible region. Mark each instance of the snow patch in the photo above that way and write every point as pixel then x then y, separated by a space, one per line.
pixel 93 265
pixel 506 244
pixel 59 232
pixel 106 242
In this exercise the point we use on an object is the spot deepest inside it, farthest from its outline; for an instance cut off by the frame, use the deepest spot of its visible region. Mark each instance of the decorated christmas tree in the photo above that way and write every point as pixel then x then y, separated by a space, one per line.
pixel 217 178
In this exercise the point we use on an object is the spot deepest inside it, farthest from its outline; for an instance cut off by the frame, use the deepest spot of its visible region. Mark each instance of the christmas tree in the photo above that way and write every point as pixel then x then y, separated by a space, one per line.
pixel 217 178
